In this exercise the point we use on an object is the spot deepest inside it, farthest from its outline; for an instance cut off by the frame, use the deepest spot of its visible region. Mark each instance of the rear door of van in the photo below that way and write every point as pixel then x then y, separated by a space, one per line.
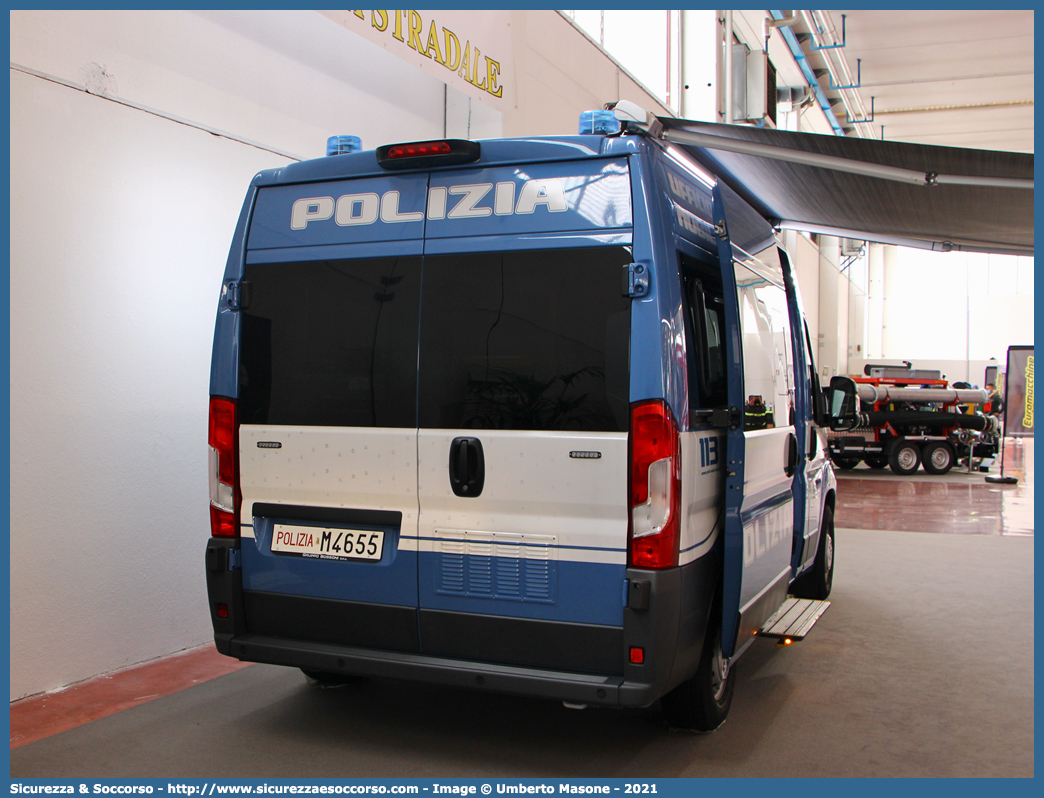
pixel 523 416
pixel 433 396
pixel 327 403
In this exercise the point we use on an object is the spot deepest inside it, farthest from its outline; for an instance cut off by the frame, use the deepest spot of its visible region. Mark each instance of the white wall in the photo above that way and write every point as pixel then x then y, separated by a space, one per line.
pixel 947 311
pixel 115 255
pixel 875 300
pixel 834 295
pixel 701 40
pixel 121 220
pixel 857 308
pixel 956 309
pixel 285 79
pixel 560 73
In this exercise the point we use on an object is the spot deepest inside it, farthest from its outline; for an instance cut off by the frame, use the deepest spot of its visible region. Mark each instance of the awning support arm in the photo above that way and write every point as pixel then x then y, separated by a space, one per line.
pixel 899 241
pixel 911 176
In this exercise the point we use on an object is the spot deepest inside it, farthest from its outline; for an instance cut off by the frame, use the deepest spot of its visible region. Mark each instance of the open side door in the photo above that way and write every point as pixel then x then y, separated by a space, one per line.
pixel 808 479
pixel 732 575
pixel 762 451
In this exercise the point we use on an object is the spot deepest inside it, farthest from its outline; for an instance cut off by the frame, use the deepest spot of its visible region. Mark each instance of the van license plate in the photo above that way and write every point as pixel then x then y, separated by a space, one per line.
pixel 328 544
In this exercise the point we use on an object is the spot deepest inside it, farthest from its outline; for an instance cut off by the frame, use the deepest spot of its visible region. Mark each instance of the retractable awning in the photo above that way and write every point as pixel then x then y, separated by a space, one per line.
pixel 940 198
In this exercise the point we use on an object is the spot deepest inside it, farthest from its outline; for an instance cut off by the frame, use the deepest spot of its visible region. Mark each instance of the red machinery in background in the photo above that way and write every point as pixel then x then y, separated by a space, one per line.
pixel 913 417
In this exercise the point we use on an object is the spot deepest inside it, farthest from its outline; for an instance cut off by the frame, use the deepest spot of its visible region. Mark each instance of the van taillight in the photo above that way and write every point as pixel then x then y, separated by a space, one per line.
pixel 224 482
pixel 423 154
pixel 419 149
pixel 655 485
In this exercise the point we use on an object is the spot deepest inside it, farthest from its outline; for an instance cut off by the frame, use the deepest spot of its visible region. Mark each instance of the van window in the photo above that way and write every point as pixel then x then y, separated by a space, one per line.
pixel 525 340
pixel 331 343
pixel 768 360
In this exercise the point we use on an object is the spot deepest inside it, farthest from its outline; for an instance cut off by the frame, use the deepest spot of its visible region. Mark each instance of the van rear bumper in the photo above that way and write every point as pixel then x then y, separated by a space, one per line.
pixel 558 685
pixel 667 622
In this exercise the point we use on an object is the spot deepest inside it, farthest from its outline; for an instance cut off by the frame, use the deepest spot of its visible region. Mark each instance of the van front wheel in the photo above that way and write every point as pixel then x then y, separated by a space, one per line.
pixel 702 703
pixel 817 581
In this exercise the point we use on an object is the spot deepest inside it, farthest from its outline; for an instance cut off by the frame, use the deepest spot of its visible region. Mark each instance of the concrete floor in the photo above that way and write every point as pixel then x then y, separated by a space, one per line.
pixel 923 666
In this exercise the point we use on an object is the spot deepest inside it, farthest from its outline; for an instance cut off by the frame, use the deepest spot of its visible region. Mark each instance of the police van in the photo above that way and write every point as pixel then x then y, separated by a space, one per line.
pixel 535 416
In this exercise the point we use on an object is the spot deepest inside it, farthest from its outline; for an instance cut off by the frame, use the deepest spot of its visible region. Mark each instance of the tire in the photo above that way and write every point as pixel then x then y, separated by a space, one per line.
pixel 847 463
pixel 818 580
pixel 702 703
pixel 938 457
pixel 877 461
pixel 904 457
pixel 321 680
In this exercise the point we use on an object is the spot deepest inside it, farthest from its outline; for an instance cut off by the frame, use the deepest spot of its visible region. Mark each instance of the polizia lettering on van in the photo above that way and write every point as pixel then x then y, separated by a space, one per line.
pixel 443 202
pixel 766 531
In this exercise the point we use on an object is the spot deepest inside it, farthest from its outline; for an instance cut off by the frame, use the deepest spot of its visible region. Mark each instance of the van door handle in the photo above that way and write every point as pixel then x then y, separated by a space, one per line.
pixel 467 469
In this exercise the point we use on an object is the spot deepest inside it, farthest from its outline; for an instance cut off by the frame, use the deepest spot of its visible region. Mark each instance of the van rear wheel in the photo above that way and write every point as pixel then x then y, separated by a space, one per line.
pixel 702 703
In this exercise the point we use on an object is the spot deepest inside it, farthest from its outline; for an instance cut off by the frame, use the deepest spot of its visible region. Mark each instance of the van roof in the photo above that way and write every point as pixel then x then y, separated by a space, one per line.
pixel 495 152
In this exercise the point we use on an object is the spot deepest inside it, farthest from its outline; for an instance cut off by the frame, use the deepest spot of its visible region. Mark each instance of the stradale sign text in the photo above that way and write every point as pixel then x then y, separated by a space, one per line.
pixel 469 51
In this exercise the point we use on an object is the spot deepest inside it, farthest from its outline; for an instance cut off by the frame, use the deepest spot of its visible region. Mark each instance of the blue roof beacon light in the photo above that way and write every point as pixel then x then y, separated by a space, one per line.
pixel 599 122
pixel 340 145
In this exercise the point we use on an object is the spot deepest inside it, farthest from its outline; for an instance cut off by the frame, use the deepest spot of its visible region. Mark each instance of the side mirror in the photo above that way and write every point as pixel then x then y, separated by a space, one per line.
pixel 819 407
pixel 842 402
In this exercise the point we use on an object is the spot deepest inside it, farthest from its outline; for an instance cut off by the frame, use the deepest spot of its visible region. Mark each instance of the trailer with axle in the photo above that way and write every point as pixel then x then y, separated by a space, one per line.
pixel 912 418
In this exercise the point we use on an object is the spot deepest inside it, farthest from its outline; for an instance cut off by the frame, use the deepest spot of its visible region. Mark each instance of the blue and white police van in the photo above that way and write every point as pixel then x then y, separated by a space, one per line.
pixel 536 416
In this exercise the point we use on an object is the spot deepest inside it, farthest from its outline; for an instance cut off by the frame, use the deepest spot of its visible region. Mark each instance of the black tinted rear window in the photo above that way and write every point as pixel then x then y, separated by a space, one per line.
pixel 331 343
pixel 533 340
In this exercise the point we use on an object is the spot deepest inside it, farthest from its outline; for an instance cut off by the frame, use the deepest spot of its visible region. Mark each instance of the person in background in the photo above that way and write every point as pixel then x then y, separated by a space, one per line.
pixel 996 401
pixel 756 415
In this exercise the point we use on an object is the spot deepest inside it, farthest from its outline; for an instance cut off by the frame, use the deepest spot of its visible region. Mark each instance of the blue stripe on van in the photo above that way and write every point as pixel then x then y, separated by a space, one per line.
pixel 710 533
pixel 534 545
pixel 570 592
pixel 765 502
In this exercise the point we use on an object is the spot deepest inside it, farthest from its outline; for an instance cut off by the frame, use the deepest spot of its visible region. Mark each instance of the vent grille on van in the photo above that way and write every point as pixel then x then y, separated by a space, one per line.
pixel 495 565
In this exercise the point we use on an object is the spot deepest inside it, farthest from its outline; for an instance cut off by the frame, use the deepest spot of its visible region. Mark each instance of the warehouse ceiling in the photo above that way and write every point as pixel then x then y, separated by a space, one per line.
pixel 953 78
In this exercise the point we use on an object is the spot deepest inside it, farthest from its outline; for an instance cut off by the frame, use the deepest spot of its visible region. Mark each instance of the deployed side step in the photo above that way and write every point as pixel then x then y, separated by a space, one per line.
pixel 794 619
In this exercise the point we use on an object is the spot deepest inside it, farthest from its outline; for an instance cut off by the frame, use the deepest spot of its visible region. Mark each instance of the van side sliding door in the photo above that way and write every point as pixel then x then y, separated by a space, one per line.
pixel 760 449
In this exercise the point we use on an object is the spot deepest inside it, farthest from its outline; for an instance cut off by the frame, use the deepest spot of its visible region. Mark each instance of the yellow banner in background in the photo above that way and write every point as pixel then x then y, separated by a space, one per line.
pixel 469 50
pixel 1018 408
pixel 1027 417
